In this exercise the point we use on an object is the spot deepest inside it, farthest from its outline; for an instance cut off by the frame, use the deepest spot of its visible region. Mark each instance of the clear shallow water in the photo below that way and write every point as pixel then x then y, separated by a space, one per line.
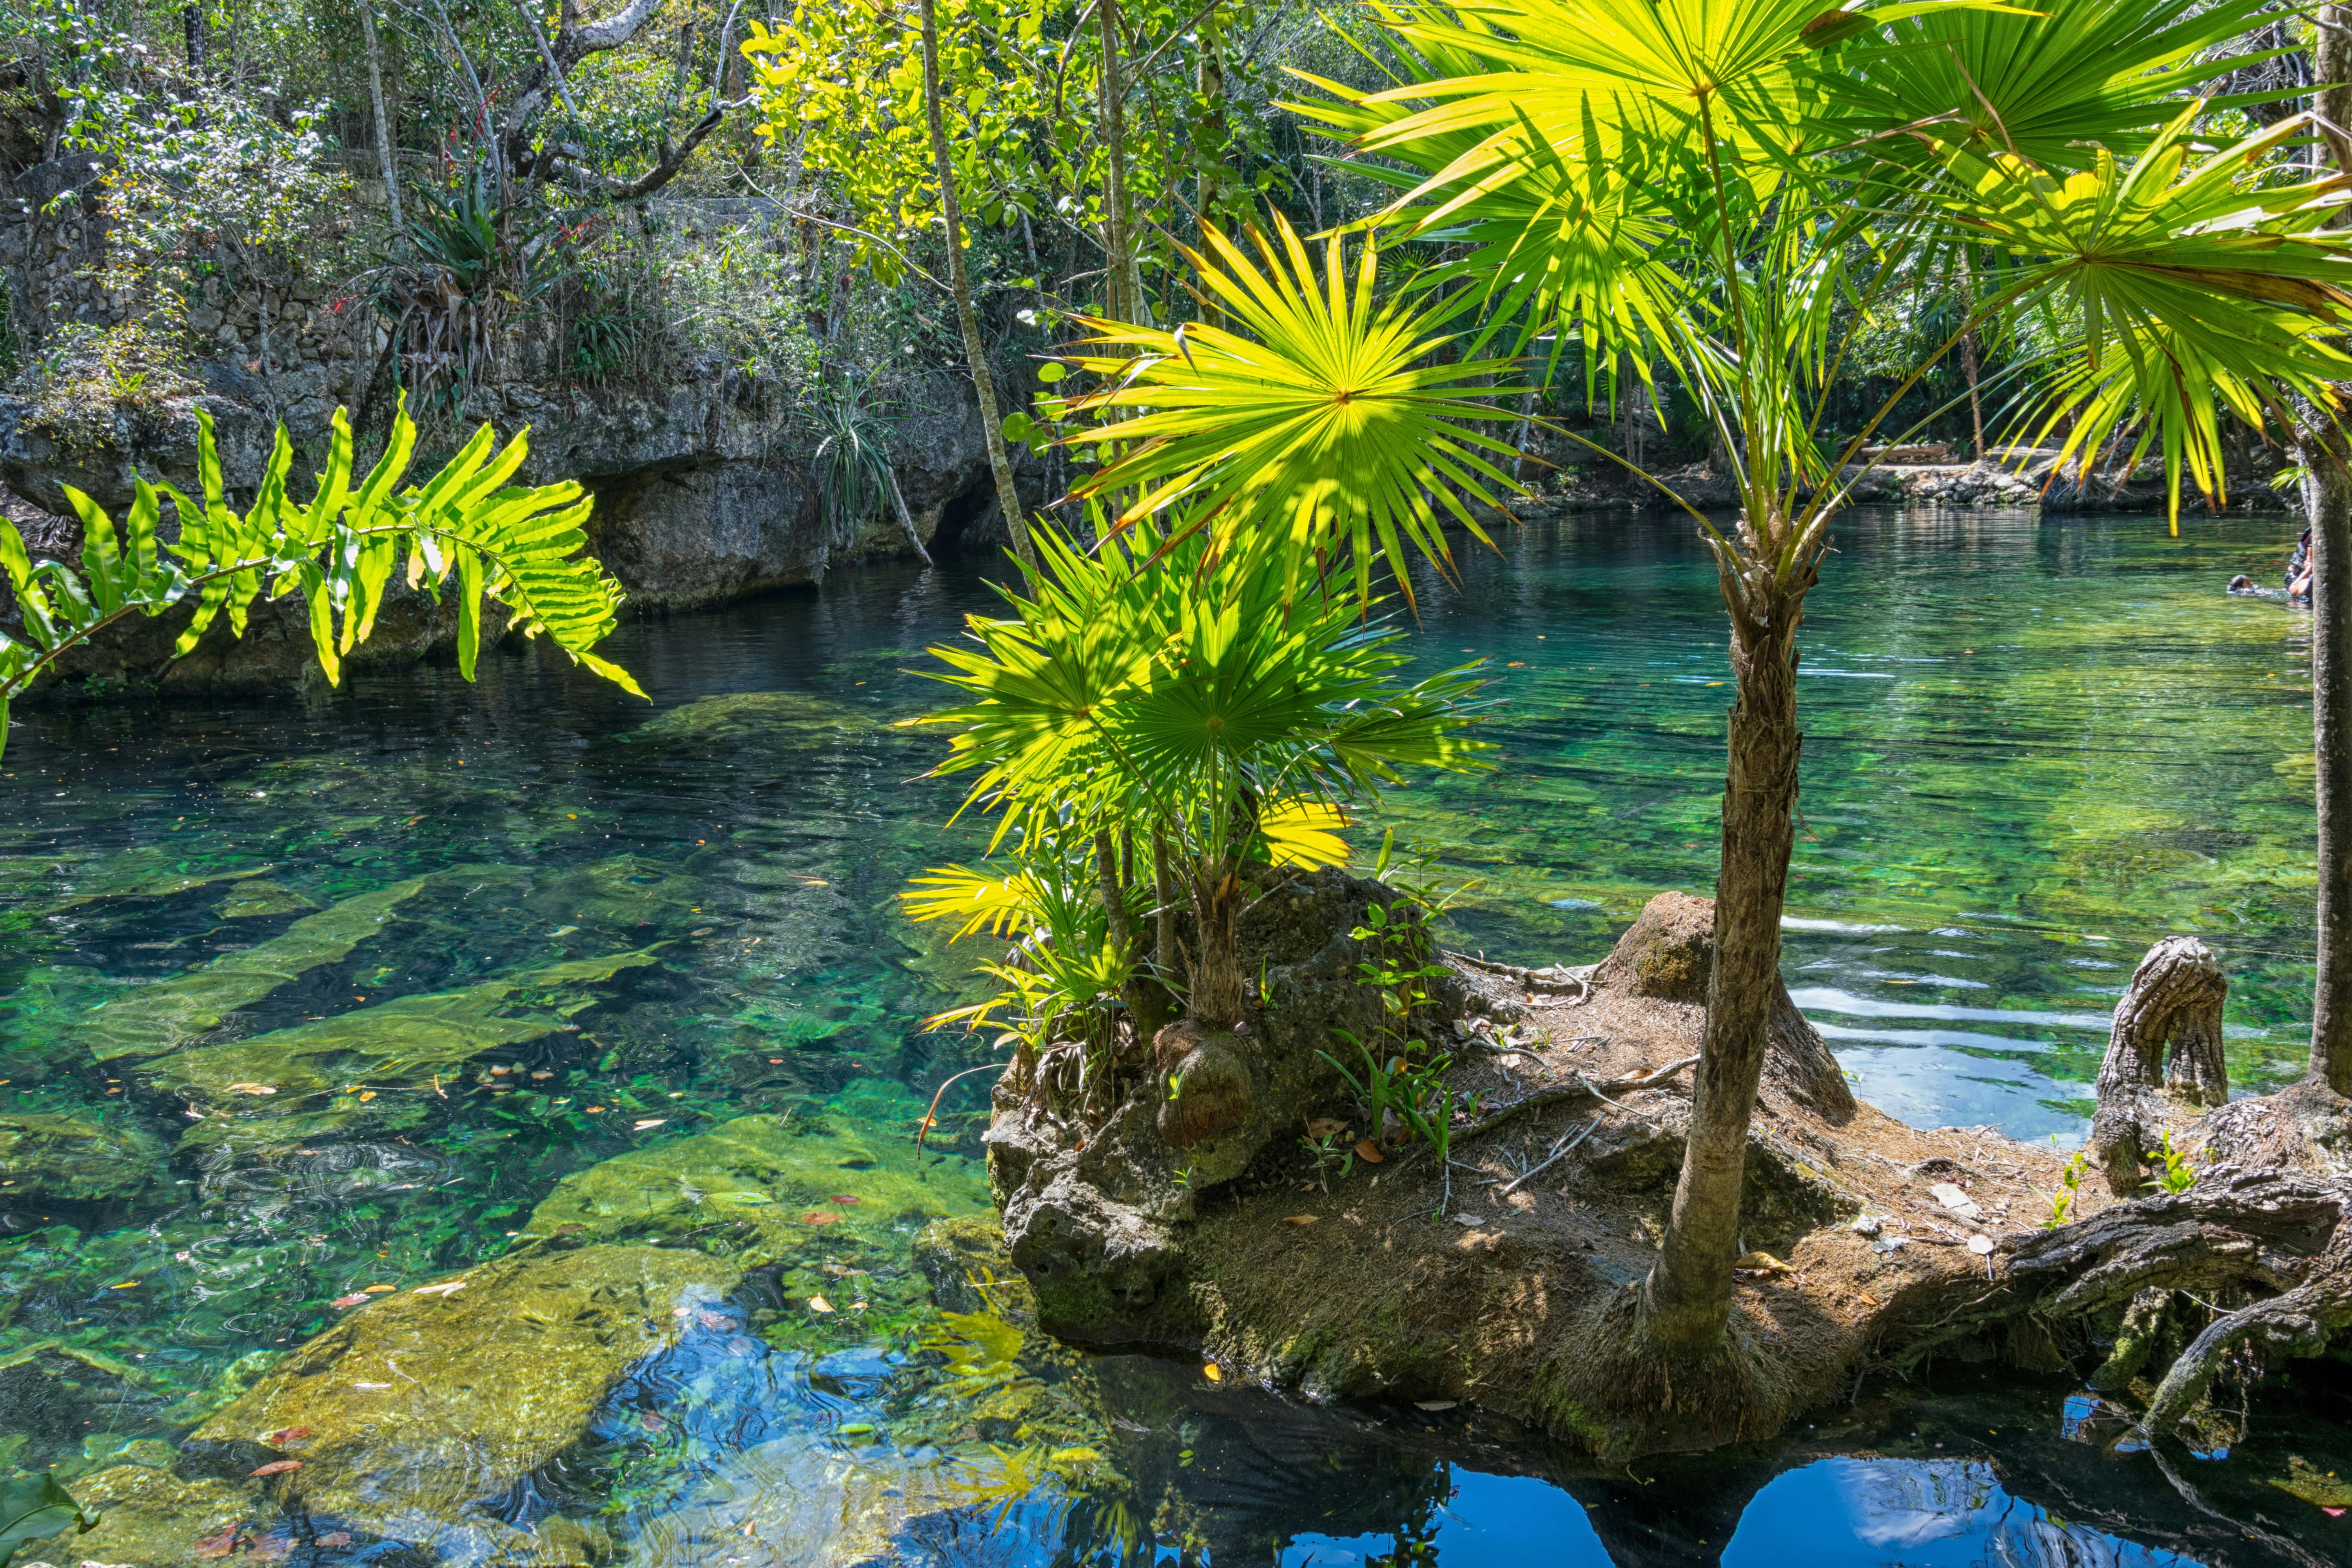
pixel 2033 748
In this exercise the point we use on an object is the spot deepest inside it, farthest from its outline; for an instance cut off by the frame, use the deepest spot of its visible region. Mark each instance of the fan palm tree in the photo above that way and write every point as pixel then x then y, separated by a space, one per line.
pixel 1160 683
pixel 1724 193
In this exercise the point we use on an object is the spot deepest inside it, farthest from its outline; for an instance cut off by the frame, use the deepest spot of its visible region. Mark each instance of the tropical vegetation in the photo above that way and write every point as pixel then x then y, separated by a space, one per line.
pixel 1725 196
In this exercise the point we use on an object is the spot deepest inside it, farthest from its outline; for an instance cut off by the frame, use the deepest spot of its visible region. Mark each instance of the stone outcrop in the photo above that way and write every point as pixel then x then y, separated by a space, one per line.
pixel 413 1419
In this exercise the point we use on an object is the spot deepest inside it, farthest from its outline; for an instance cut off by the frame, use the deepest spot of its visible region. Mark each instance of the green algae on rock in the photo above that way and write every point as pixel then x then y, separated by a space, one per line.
pixel 413 1416
pixel 789 719
pixel 370 1064
pixel 159 1017
pixel 759 1187
pixel 142 871
pixel 150 1517
pixel 68 1159
pixel 260 899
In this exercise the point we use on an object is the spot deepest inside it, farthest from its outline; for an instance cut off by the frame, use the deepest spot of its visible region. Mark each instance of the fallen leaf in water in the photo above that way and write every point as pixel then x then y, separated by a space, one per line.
pixel 1369 1153
pixel 1213 1372
pixel 717 1322
pixel 251 1089
pixel 378 1290
pixel 357 1298
pixel 373 1387
pixel 219 1546
pixel 699 930
pixel 441 1289
pixel 1435 1404
pixel 285 1434
pixel 822 1217
pixel 846 1198
pixel 336 1537
pixel 264 1549
pixel 819 1304
pixel 367 1096
pixel 651 1121
pixel 126 1285
pixel 1324 1126
pixel 1301 1219
pixel 276 1467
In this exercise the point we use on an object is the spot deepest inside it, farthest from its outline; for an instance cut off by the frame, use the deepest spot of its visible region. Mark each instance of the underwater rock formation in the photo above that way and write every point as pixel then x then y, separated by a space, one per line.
pixel 66 1159
pixel 759 1189
pixel 412 1418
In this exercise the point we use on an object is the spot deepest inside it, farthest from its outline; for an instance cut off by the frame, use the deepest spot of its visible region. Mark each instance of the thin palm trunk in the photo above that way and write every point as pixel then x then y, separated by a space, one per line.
pixel 1686 1300
pixel 1008 494
pixel 2328 491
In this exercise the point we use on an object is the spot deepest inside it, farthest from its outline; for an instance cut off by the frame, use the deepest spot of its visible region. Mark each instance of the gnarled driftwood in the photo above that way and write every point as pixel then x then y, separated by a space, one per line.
pixel 2174 1000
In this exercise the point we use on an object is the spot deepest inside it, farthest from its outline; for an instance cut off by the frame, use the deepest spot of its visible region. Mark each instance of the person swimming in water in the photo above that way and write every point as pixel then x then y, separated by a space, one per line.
pixel 2299 572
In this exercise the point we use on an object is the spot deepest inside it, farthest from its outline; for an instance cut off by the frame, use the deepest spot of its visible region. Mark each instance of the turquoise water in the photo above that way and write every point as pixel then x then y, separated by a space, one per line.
pixel 286 949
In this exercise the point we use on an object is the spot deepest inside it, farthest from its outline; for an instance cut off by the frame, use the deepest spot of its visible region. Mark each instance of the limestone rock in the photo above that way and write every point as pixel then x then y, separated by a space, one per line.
pixel 149 1518
pixel 1668 955
pixel 66 1159
pixel 416 1413
pixel 759 1188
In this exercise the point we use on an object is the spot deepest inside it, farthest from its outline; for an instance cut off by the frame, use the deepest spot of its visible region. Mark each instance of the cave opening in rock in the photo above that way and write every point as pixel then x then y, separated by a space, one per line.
pixel 967 522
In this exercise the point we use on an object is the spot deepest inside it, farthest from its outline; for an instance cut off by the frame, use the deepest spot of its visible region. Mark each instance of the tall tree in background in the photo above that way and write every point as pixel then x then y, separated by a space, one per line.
pixel 1000 463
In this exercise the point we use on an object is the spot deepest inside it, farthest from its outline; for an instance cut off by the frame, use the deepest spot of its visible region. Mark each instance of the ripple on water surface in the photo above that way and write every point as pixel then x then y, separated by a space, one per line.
pixel 351 984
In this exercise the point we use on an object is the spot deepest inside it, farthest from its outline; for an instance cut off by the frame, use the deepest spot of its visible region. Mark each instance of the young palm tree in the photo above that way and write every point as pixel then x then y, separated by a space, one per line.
pixel 1160 690
pixel 1727 189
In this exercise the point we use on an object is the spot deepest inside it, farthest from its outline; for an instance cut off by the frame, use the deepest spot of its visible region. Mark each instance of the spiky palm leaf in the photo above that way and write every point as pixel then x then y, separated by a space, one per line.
pixel 1326 419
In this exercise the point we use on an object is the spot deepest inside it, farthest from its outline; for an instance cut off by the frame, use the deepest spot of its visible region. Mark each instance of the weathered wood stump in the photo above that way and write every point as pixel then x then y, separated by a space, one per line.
pixel 2164 1054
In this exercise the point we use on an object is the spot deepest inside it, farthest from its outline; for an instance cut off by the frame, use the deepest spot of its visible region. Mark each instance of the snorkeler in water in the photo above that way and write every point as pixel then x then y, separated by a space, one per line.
pixel 2299 572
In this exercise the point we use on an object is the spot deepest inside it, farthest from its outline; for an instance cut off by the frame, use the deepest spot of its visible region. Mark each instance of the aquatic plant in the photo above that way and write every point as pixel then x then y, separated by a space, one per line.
pixel 35 1508
pixel 465 529
pixel 1729 193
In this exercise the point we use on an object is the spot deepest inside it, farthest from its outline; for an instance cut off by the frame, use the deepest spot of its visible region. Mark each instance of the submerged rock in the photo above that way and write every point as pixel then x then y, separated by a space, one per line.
pixel 159 1017
pixel 414 1416
pixel 149 1518
pixel 793 720
pixel 65 1159
pixel 288 1085
pixel 763 1189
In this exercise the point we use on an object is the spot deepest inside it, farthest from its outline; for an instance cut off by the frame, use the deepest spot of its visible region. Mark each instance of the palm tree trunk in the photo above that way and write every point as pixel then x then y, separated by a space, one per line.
pixel 1008 494
pixel 1686 1302
pixel 2328 491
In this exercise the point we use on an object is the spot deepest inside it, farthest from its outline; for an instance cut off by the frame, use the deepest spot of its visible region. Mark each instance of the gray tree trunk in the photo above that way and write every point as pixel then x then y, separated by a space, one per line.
pixel 383 122
pixel 1008 494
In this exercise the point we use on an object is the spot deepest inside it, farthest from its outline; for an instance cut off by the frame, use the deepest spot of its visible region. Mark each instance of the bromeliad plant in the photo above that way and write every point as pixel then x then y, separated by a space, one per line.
pixel 466 528
pixel 1155 718
pixel 1728 191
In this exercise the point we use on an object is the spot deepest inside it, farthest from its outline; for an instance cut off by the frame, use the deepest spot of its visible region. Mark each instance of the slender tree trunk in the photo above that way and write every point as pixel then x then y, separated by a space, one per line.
pixel 2327 493
pixel 1209 184
pixel 1686 1302
pixel 390 171
pixel 907 521
pixel 1123 283
pixel 192 25
pixel 1008 494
